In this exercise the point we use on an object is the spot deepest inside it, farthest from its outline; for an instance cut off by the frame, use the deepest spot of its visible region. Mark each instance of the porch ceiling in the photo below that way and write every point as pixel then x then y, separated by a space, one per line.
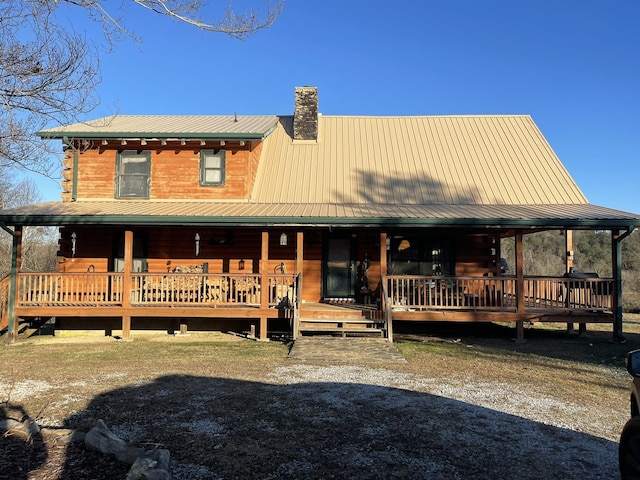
pixel 149 212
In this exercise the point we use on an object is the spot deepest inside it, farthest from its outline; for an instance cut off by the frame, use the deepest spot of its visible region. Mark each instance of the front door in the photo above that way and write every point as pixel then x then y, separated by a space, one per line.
pixel 339 269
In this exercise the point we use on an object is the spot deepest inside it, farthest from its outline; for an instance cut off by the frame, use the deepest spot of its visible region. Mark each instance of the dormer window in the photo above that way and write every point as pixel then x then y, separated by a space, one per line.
pixel 212 167
pixel 133 174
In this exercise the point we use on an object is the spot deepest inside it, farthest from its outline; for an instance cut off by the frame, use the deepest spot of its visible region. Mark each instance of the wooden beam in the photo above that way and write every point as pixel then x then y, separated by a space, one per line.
pixel 568 243
pixel 127 287
pixel 264 280
pixel 616 270
pixel 14 293
pixel 519 285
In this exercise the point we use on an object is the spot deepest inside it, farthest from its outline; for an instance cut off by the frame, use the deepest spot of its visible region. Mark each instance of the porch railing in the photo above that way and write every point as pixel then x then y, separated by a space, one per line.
pixel 154 289
pixel 61 289
pixel 496 293
pixel 4 302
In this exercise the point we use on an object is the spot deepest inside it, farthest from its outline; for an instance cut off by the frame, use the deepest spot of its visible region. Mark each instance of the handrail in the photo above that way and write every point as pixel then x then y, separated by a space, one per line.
pixel 4 302
pixel 415 292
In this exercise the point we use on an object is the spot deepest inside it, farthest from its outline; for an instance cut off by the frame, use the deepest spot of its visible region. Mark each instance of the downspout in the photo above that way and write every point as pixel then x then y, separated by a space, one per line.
pixel 617 322
pixel 13 282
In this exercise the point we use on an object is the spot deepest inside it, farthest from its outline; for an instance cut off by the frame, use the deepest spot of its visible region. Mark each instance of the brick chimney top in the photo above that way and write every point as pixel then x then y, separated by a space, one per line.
pixel 305 117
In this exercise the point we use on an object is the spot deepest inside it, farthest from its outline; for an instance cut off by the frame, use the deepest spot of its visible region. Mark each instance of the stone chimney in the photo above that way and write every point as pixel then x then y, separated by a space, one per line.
pixel 305 117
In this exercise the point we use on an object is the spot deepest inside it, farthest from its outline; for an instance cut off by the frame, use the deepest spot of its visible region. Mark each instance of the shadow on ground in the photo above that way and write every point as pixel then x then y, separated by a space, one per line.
pixel 219 428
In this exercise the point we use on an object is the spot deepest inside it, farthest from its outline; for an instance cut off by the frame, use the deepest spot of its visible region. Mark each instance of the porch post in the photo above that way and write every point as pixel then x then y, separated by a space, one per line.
pixel 264 280
pixel 616 270
pixel 299 271
pixel 383 272
pixel 127 283
pixel 568 260
pixel 519 285
pixel 16 264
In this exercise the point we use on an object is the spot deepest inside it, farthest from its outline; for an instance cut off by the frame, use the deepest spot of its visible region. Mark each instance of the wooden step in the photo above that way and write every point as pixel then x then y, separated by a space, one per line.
pixel 342 326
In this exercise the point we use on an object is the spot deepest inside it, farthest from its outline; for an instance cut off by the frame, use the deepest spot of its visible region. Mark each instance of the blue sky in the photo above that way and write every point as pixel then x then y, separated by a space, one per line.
pixel 573 65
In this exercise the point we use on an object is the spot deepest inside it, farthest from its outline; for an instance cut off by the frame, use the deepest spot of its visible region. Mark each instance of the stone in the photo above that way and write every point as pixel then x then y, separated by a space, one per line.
pixel 130 455
pixel 103 440
pixel 161 455
pixel 139 467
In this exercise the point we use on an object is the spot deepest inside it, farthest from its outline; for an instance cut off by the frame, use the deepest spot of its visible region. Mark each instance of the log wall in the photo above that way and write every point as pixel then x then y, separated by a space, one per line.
pixel 175 170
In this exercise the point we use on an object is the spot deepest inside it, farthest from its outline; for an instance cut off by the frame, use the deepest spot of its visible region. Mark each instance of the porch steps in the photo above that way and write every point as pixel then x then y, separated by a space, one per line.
pixel 342 326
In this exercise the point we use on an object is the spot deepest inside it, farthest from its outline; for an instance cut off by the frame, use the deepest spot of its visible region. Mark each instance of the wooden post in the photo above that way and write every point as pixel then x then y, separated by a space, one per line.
pixel 16 264
pixel 616 270
pixel 568 266
pixel 519 286
pixel 264 280
pixel 127 289
pixel 299 271
pixel 383 272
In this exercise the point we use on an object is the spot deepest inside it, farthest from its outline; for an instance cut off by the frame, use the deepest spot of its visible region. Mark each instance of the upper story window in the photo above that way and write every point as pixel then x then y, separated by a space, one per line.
pixel 133 174
pixel 212 167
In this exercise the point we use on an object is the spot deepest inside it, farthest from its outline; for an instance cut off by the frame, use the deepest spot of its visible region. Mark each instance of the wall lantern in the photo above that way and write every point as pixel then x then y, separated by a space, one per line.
pixel 197 244
pixel 241 264
pixel 283 240
pixel 74 238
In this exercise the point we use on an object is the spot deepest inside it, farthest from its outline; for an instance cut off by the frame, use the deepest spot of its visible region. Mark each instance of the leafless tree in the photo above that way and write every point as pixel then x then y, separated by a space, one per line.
pixel 39 244
pixel 48 72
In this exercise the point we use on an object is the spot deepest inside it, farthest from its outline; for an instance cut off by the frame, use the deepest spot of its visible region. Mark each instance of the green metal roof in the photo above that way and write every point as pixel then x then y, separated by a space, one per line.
pixel 140 212
pixel 211 127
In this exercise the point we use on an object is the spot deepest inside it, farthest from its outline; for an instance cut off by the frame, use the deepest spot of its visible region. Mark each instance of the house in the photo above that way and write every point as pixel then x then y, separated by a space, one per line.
pixel 306 223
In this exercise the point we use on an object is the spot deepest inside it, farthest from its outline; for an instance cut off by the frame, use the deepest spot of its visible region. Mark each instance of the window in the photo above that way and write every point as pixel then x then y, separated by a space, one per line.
pixel 133 175
pixel 212 167
pixel 421 256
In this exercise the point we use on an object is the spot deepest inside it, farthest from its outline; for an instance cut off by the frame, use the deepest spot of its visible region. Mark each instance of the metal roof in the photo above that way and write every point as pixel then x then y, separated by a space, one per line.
pixel 141 212
pixel 440 160
pixel 448 171
pixel 167 126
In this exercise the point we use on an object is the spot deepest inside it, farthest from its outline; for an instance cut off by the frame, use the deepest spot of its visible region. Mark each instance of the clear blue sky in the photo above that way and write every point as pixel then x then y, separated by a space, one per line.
pixel 573 65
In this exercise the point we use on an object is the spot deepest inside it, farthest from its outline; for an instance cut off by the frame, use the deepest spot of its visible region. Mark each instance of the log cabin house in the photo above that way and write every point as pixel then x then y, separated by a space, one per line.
pixel 306 223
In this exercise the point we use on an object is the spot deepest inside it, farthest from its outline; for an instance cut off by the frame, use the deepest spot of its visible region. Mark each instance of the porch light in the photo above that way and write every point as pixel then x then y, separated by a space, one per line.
pixel 163 142
pixel 74 238
pixel 241 264
pixel 222 143
pixel 143 142
pixel 404 244
pixel 283 240
pixel 123 142
pixel 104 142
pixel 197 238
pixel 183 142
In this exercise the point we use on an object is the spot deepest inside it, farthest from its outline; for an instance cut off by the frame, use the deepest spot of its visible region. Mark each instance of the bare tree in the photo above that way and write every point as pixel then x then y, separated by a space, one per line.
pixel 48 73
pixel 39 244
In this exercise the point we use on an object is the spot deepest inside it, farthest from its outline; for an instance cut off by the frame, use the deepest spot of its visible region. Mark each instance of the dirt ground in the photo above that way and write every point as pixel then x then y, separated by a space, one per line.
pixel 468 403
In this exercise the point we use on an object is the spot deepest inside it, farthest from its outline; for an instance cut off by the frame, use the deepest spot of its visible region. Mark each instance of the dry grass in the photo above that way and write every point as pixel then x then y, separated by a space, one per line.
pixel 232 408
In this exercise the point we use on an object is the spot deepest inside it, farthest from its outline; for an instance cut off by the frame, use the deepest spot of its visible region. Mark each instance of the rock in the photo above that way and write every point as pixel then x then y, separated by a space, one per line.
pixel 8 424
pixel 156 474
pixel 139 467
pixel 131 454
pixel 161 455
pixel 101 439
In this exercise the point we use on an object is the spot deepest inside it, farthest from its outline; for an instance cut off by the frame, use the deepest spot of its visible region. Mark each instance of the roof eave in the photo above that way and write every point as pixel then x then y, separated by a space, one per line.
pixel 45 135
pixel 486 223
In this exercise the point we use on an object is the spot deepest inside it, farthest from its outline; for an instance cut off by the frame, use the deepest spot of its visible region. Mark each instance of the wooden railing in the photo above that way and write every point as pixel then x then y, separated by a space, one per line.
pixel 4 302
pixel 153 289
pixel 51 289
pixel 496 293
